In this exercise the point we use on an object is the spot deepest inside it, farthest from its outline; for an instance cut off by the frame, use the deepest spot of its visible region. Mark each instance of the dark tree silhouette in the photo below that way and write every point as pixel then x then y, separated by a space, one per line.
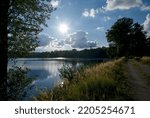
pixel 4 5
pixel 138 44
pixel 86 53
pixel 20 22
pixel 148 46
pixel 127 38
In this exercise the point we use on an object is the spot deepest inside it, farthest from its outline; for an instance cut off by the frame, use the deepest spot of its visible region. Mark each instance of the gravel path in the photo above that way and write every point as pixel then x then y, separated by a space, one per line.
pixel 139 85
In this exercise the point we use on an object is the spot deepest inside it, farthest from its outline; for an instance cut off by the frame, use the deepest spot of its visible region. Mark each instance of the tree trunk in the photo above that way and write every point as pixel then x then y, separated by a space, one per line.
pixel 4 6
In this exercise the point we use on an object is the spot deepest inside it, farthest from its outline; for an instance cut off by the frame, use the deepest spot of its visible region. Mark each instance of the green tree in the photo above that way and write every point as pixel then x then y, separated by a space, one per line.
pixel 127 38
pixel 20 23
pixel 119 35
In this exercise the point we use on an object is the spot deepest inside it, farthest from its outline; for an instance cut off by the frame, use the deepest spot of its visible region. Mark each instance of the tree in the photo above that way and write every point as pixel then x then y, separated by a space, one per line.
pixel 20 23
pixel 127 38
pixel 25 20
pixel 138 43
pixel 4 5
pixel 148 46
pixel 119 35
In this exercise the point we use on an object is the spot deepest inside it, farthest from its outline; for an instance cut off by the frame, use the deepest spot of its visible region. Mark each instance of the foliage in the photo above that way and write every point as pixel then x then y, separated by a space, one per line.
pixel 71 72
pixel 104 81
pixel 20 23
pixel 25 21
pixel 17 81
pixel 127 38
pixel 112 51
pixel 68 72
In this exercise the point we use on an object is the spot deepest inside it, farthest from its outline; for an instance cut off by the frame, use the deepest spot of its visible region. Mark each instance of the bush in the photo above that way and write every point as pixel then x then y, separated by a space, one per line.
pixel 17 80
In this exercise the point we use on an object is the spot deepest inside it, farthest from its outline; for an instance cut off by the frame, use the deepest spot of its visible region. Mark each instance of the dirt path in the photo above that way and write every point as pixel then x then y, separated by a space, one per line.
pixel 145 68
pixel 139 85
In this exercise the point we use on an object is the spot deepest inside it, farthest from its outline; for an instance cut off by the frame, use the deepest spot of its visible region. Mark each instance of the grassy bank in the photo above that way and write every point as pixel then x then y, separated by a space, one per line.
pixel 145 60
pixel 105 81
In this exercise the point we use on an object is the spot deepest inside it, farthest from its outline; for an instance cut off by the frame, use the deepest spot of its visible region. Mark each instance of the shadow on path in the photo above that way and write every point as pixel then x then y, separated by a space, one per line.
pixel 137 82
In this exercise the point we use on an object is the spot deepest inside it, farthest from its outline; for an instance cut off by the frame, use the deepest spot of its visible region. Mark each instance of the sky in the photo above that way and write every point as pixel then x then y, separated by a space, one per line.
pixel 82 24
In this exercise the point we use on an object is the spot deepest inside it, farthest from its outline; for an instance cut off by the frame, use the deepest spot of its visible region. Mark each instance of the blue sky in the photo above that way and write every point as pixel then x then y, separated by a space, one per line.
pixel 85 22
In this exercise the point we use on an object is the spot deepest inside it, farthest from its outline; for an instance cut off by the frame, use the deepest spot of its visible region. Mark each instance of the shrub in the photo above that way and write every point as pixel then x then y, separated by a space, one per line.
pixel 17 80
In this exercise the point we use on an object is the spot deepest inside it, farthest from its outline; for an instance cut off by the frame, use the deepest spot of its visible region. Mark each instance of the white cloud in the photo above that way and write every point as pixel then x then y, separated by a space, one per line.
pixel 116 5
pixel 55 3
pixel 89 13
pixel 100 28
pixel 44 40
pixel 106 18
pixel 76 40
pixel 91 44
pixel 79 40
pixel 93 12
pixel 145 8
pixel 147 23
pixel 125 5
pixel 48 43
pixel 122 4
pixel 85 13
pixel 57 43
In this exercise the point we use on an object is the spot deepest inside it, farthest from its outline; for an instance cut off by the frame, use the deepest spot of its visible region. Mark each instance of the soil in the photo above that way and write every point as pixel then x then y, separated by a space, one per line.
pixel 136 78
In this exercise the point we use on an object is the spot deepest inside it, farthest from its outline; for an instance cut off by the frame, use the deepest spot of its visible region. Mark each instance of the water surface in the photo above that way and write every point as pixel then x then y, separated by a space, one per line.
pixel 46 72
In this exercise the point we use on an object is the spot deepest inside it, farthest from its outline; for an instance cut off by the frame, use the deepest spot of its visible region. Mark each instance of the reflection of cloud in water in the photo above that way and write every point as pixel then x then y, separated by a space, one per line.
pixel 44 80
pixel 46 76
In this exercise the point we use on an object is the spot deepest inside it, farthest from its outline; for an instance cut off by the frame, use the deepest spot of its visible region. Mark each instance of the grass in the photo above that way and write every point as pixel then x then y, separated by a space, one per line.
pixel 135 64
pixel 105 81
pixel 145 60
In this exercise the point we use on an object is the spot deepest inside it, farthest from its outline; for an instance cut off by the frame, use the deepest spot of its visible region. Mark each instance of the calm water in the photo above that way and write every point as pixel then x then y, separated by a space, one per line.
pixel 46 72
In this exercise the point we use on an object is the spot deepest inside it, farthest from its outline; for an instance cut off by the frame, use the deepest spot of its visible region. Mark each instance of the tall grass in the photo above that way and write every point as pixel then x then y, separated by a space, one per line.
pixel 145 60
pixel 105 81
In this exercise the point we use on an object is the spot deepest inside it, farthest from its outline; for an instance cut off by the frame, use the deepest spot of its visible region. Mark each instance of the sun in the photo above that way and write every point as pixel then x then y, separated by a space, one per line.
pixel 63 28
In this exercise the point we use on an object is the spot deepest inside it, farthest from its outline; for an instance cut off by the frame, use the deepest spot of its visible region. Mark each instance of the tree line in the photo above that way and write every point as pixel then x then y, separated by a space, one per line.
pixel 86 53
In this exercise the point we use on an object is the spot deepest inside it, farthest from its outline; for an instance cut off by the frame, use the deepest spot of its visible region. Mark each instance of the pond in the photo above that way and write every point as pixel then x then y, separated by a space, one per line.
pixel 46 72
